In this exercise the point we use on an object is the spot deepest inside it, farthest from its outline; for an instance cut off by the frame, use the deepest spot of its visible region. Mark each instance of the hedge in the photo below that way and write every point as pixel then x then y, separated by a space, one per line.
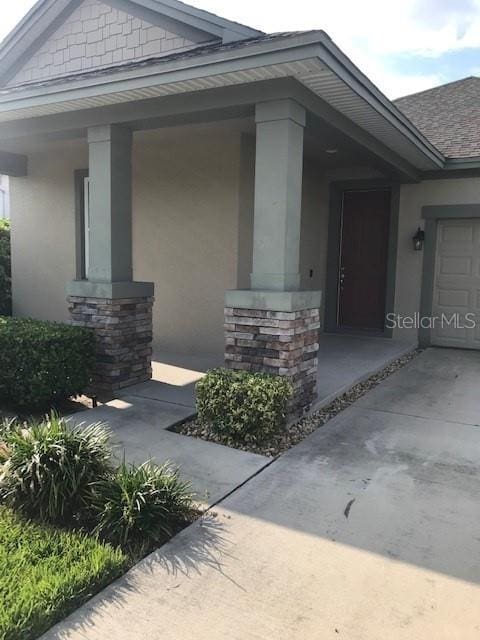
pixel 42 363
pixel 241 407
pixel 5 269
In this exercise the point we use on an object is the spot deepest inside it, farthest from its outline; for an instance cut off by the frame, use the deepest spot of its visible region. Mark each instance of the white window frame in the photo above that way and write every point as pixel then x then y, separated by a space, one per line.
pixel 86 224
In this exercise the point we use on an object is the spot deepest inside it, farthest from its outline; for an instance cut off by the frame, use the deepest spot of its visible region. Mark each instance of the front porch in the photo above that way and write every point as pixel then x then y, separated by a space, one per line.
pixel 230 200
pixel 213 237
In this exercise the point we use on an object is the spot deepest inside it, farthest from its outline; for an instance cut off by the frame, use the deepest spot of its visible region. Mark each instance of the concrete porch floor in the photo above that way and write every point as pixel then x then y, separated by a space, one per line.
pixel 140 416
pixel 344 360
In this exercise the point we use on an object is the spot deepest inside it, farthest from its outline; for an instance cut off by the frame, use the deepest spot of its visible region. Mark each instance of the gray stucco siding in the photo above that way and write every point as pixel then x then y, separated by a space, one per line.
pixel 193 228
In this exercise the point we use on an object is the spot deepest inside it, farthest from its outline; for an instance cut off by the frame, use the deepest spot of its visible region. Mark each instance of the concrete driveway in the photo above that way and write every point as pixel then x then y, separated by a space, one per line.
pixel 369 529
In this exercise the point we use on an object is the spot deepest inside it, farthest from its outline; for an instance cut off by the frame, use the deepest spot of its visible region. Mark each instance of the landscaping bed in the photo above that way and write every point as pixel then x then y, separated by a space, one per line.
pixel 283 439
pixel 46 573
pixel 71 521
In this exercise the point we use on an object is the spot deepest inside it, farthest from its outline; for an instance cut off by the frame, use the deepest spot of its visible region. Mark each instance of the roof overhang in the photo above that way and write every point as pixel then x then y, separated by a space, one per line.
pixel 311 58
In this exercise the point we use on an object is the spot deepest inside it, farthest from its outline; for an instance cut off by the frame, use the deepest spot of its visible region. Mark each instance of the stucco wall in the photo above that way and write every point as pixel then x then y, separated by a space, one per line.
pixel 43 230
pixel 192 205
pixel 185 229
pixel 193 191
pixel 314 231
pixel 409 263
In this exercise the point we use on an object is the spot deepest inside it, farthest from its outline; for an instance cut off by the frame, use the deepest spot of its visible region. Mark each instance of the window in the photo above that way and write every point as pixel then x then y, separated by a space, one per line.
pixel 82 217
pixel 4 198
pixel 3 204
pixel 86 224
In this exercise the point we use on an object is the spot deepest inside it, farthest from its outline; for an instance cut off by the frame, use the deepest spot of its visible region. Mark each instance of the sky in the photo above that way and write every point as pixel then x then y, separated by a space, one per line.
pixel 403 46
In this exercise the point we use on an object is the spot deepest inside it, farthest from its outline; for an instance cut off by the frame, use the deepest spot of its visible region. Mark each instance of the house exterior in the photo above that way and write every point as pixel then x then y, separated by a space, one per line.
pixel 183 182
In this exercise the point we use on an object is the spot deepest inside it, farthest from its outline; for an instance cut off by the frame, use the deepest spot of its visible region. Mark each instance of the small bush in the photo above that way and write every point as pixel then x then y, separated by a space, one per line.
pixel 5 269
pixel 242 407
pixel 47 468
pixel 42 363
pixel 139 507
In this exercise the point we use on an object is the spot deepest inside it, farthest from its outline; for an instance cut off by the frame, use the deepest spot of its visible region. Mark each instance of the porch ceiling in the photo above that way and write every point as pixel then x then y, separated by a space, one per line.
pixel 332 149
pixel 311 59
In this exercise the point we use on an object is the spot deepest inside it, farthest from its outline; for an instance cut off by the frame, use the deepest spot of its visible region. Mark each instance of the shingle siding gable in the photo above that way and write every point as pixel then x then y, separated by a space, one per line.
pixel 97 35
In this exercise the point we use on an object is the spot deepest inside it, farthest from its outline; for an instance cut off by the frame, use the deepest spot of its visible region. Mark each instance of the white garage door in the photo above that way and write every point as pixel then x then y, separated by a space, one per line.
pixel 456 294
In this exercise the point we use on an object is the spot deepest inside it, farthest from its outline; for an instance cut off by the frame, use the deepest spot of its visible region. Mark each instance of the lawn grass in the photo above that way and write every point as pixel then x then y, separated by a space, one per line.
pixel 46 573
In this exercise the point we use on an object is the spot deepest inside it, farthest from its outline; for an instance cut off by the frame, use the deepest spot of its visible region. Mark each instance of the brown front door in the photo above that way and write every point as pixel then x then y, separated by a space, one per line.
pixel 362 279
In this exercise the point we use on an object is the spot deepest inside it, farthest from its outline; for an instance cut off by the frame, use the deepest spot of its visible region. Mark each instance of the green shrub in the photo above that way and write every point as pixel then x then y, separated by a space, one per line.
pixel 242 407
pixel 47 573
pixel 139 507
pixel 47 468
pixel 5 269
pixel 42 363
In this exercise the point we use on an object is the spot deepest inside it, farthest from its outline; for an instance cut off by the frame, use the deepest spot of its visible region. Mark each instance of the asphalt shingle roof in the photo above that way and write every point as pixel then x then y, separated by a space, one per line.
pixel 449 116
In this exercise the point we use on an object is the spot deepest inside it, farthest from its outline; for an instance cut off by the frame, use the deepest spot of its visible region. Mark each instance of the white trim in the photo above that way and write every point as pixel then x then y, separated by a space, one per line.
pixel 86 224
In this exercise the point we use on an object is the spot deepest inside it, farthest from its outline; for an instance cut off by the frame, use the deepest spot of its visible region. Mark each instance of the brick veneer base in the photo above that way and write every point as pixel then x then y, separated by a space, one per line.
pixel 282 343
pixel 123 328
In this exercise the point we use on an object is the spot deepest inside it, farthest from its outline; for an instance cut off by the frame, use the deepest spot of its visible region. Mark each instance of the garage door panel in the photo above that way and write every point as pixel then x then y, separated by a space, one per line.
pixel 455 266
pixel 454 233
pixel 456 296
pixel 453 334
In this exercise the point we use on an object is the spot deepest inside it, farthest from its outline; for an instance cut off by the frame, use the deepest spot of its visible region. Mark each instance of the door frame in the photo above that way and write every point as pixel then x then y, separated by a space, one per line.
pixel 333 251
pixel 432 214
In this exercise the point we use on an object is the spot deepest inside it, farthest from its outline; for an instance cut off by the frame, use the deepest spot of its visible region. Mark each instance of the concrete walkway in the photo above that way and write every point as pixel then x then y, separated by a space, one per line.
pixel 368 530
pixel 139 429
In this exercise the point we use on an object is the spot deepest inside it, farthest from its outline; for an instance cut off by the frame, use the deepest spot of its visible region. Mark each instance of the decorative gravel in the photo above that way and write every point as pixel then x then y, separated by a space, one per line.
pixel 296 432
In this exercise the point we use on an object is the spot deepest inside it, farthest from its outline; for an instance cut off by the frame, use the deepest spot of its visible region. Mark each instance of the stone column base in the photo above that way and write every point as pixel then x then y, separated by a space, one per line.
pixel 279 342
pixel 123 328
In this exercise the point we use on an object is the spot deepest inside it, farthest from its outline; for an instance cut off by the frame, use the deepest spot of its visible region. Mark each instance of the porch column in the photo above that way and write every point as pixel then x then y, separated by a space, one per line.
pixel 118 309
pixel 110 204
pixel 278 195
pixel 274 326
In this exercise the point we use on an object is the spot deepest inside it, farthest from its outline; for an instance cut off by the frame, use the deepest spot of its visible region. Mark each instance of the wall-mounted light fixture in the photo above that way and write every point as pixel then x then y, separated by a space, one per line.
pixel 418 240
